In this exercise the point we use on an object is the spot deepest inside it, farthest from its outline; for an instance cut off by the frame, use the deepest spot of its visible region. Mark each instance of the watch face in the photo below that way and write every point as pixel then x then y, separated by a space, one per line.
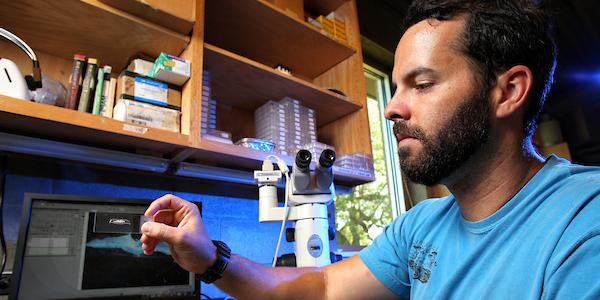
pixel 222 248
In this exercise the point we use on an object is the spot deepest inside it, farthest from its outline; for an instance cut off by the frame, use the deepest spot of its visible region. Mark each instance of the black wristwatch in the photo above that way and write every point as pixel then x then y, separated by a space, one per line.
pixel 218 268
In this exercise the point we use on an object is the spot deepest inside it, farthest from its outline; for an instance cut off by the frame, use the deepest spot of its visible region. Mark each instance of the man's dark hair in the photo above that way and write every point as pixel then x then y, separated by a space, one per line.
pixel 498 35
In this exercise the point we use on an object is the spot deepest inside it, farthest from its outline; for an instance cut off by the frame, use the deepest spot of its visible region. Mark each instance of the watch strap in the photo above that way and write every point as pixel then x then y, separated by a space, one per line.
pixel 216 271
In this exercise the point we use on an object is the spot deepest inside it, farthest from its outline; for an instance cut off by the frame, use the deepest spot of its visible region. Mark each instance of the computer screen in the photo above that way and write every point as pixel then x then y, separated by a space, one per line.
pixel 73 247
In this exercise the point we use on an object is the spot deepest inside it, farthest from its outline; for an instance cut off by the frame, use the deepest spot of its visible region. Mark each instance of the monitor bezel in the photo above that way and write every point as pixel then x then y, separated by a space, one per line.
pixel 24 228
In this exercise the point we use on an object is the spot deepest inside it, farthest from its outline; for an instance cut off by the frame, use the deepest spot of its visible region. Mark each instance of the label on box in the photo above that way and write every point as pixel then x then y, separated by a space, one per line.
pixel 171 69
pixel 150 90
pixel 136 129
pixel 177 65
pixel 146 115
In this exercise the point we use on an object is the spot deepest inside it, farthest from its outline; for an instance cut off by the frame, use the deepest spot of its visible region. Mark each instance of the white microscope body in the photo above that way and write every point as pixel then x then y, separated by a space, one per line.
pixel 309 196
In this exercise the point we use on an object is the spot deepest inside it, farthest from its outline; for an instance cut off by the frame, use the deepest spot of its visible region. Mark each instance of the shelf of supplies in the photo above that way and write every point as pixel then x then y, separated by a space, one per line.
pixel 264 33
pixel 246 84
pixel 227 155
pixel 89 27
pixel 323 7
pixel 57 123
pixel 350 180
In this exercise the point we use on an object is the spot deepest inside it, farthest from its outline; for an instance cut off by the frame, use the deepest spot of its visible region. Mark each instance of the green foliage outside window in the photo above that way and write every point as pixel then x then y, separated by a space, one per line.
pixel 361 215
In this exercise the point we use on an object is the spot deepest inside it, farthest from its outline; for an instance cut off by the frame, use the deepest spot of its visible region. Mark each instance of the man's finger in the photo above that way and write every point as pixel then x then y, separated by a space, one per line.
pixel 148 248
pixel 166 216
pixel 167 201
pixel 160 232
pixel 149 242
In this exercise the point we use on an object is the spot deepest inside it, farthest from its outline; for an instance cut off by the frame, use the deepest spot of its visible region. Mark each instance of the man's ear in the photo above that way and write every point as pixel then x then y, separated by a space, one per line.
pixel 511 91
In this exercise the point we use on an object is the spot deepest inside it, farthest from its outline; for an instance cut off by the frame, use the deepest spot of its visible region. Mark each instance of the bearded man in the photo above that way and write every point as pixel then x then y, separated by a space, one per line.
pixel 471 77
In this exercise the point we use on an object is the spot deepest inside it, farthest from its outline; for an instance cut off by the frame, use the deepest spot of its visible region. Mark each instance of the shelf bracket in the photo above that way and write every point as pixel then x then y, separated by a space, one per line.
pixel 175 162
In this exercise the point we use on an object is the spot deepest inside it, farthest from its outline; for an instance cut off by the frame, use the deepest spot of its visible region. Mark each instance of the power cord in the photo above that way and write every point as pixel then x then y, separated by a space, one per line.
pixel 34 80
pixel 19 42
pixel 285 170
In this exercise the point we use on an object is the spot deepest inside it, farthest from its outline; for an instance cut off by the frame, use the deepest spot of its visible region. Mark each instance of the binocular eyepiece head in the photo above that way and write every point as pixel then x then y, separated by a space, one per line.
pixel 327 158
pixel 319 182
pixel 303 158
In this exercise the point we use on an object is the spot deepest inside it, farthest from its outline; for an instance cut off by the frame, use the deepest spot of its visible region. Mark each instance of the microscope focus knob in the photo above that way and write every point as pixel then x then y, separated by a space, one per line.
pixel 286 260
pixel 289 234
pixel 335 257
pixel 331 232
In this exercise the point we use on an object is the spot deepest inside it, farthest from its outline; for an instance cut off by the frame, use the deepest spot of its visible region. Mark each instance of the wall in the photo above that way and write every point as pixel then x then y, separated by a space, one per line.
pixel 230 212
pixel 380 29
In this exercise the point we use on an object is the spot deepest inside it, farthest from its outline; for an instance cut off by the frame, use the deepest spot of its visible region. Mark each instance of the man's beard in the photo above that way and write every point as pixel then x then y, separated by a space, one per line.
pixel 456 140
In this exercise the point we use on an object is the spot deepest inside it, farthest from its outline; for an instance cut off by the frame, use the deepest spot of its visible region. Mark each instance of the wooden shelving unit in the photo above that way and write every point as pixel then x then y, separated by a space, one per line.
pixel 264 33
pixel 177 15
pixel 41 120
pixel 63 28
pixel 244 40
pixel 225 155
pixel 256 84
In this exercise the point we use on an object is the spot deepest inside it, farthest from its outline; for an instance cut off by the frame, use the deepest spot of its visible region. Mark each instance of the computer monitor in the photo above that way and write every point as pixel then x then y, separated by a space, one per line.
pixel 75 247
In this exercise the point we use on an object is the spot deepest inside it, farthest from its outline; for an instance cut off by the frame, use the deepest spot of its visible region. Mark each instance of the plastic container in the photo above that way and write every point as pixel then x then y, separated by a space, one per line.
pixel 257 144
pixel 52 92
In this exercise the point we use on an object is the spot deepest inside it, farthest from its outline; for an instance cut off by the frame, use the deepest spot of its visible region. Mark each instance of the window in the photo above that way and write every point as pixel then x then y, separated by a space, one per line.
pixel 362 214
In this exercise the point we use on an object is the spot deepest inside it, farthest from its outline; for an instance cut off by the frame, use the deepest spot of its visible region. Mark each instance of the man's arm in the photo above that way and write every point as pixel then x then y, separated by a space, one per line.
pixel 348 279
pixel 178 223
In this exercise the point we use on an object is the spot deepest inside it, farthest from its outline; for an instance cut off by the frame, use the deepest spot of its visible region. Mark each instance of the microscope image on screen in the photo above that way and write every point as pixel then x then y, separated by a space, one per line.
pixel 114 258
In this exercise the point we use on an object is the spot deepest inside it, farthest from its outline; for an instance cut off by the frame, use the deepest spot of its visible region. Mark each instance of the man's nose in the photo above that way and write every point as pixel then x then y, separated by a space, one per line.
pixel 397 109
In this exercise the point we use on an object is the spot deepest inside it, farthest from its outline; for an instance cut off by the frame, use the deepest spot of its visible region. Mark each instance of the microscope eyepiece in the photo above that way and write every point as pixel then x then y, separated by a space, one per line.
pixel 327 158
pixel 303 158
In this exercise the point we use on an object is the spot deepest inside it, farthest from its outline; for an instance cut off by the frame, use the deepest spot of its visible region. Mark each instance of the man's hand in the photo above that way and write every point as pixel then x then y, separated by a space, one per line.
pixel 178 223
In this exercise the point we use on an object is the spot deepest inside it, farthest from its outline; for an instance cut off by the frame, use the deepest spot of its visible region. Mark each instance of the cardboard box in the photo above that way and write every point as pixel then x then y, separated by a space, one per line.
pixel 171 69
pixel 147 115
pixel 148 90
pixel 140 66
pixel 292 7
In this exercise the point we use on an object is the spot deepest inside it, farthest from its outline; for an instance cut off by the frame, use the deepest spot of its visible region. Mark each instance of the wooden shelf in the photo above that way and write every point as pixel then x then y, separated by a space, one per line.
pixel 245 84
pixel 323 7
pixel 233 156
pixel 57 123
pixel 226 155
pixel 257 36
pixel 350 180
pixel 177 15
pixel 262 32
pixel 89 27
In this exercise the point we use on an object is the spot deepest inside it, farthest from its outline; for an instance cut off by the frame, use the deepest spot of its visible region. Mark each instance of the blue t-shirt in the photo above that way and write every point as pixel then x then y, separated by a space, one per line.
pixel 543 243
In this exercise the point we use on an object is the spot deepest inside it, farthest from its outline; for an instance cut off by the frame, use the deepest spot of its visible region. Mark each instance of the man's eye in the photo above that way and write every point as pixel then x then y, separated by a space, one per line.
pixel 423 86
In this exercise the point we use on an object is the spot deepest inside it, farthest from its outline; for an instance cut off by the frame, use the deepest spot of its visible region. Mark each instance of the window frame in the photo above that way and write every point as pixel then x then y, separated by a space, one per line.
pixel 390 147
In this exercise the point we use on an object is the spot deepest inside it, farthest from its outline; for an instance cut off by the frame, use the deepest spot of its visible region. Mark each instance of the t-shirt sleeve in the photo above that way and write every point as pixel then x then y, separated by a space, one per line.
pixel 387 257
pixel 577 275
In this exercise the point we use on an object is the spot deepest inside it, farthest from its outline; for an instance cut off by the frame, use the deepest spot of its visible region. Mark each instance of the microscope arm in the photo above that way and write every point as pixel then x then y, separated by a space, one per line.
pixel 295 213
pixel 314 206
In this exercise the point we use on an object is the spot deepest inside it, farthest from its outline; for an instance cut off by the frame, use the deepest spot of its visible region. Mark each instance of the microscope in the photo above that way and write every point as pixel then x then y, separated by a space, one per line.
pixel 308 196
